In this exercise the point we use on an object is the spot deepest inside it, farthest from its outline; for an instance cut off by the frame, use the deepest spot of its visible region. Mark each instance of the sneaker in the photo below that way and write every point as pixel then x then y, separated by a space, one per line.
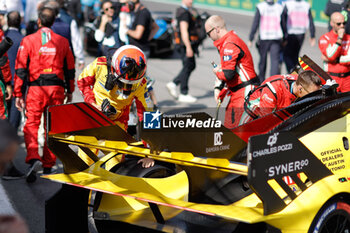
pixel 172 89
pixel 187 98
pixel 12 174
pixel 33 169
pixel 49 170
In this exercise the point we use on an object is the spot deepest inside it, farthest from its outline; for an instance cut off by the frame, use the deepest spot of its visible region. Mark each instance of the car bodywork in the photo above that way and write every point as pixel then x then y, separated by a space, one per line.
pixel 291 163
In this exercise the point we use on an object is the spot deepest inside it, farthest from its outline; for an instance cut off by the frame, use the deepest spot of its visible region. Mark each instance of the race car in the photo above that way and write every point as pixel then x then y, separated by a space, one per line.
pixel 285 172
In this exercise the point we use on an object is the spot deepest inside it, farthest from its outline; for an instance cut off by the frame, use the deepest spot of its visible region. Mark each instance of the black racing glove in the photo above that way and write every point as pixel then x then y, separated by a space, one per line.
pixel 107 108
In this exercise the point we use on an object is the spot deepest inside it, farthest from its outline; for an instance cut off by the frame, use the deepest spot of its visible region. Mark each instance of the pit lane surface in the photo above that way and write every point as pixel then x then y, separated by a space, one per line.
pixel 29 199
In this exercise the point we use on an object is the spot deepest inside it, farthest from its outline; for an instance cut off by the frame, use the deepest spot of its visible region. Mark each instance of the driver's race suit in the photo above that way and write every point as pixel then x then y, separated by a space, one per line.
pixel 275 93
pixel 237 71
pixel 46 63
pixel 338 64
pixel 91 83
pixel 5 80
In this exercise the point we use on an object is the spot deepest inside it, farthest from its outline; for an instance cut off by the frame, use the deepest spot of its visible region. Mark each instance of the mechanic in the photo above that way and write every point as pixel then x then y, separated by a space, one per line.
pixel 112 83
pixel 236 69
pixel 279 91
pixel 14 22
pixel 187 42
pixel 334 46
pixel 44 61
pixel 5 82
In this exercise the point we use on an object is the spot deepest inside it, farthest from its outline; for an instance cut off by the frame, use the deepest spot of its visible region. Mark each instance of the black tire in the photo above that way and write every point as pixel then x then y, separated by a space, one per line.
pixel 333 217
pixel 231 188
pixel 131 168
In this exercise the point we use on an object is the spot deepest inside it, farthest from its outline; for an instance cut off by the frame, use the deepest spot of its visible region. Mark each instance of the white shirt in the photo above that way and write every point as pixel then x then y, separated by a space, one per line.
pixel 77 42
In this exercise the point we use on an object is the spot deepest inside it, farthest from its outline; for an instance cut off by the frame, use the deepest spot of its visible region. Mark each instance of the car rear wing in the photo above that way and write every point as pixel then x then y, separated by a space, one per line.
pixel 275 161
pixel 89 129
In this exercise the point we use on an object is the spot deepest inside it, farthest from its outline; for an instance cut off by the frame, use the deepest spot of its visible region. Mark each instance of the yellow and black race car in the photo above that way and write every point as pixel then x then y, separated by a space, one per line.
pixel 288 171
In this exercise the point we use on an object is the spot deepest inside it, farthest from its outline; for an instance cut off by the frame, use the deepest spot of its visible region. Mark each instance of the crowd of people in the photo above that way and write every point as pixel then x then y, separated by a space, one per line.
pixel 39 68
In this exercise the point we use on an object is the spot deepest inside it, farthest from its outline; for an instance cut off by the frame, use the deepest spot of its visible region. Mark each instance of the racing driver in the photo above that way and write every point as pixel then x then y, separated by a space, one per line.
pixel 111 84
pixel 279 91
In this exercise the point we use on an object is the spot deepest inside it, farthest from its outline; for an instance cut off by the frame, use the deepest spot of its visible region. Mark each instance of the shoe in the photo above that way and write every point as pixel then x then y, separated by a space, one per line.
pixel 33 169
pixel 13 174
pixel 172 89
pixel 48 170
pixel 187 98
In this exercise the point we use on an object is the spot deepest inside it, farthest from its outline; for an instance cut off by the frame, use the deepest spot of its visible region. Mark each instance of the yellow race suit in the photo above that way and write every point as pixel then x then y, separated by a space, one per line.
pixel 91 83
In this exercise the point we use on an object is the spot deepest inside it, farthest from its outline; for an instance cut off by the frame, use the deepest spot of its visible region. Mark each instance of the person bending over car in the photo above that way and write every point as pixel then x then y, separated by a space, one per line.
pixel 279 91
pixel 112 83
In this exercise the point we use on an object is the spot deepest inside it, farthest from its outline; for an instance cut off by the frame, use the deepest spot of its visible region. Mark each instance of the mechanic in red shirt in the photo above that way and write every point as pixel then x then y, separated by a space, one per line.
pixel 46 62
pixel 334 46
pixel 5 80
pixel 279 91
pixel 236 70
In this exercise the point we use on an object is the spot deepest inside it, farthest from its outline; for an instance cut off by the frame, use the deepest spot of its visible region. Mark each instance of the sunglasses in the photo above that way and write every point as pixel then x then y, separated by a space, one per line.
pixel 109 8
pixel 338 24
pixel 208 33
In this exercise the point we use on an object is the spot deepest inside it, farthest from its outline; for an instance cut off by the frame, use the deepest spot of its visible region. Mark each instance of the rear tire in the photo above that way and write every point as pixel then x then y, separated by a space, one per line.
pixel 333 217
pixel 131 168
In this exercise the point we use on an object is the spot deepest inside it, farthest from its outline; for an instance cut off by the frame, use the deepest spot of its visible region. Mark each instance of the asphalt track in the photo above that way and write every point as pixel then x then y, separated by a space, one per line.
pixel 29 199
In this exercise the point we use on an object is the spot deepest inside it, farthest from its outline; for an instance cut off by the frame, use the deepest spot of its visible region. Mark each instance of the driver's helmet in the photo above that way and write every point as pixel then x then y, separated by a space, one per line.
pixel 129 65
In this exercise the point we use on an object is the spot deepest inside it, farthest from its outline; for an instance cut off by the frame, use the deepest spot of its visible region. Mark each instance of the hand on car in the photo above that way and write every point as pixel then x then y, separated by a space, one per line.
pixel 146 162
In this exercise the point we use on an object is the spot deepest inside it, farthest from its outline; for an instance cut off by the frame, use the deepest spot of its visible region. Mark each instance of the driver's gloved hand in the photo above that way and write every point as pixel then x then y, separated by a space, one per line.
pixel 107 108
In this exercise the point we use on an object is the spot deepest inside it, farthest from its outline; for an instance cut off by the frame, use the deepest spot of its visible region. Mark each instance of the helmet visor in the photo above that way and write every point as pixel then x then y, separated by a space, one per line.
pixel 128 86
pixel 132 70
